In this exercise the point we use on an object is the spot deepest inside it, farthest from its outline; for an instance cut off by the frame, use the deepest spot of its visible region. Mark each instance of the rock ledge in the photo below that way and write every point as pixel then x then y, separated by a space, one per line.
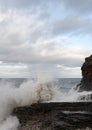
pixel 55 116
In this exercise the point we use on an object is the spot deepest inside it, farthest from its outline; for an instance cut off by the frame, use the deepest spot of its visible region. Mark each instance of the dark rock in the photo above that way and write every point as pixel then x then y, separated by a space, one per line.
pixel 55 116
pixel 86 82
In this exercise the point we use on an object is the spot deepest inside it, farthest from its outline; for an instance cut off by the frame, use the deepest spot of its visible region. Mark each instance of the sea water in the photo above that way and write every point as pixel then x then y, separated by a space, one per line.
pixel 20 92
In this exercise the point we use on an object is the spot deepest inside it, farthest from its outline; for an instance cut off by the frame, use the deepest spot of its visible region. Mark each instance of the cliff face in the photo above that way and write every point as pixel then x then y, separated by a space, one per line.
pixel 86 82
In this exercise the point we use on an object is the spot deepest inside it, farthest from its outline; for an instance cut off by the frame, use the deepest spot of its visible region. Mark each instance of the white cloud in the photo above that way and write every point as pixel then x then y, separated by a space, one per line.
pixel 26 39
pixel 14 70
pixel 30 35
pixel 66 71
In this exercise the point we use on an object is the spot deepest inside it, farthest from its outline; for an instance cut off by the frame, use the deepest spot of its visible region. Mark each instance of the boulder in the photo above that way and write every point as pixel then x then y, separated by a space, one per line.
pixel 86 82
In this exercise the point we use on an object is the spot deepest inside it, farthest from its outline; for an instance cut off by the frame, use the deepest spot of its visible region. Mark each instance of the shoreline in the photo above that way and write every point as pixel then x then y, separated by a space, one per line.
pixel 55 116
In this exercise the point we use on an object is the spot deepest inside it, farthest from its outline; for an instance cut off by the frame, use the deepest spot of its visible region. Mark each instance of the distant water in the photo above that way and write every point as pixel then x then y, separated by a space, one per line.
pixel 62 83
pixel 65 84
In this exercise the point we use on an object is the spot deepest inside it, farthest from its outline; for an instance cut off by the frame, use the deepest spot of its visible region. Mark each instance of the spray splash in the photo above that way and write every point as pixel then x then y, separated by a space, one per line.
pixel 29 92
pixel 26 94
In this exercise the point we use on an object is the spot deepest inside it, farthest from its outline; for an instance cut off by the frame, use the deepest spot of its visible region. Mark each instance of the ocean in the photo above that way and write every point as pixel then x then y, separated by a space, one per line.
pixel 16 92
pixel 62 83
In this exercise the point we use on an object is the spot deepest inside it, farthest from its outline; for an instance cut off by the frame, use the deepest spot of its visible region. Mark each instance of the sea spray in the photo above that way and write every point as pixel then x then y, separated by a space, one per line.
pixel 33 91
pixel 26 94
pixel 10 123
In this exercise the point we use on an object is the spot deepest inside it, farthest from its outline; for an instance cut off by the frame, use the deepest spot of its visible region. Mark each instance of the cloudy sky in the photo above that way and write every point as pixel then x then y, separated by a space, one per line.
pixel 44 36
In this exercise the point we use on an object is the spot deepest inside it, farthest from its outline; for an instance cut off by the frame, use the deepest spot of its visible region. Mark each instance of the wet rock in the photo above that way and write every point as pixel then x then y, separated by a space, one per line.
pixel 55 116
pixel 86 82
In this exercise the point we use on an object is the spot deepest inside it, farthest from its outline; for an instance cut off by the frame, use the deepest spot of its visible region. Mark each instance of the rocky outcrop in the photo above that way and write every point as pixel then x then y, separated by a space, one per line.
pixel 86 82
pixel 55 116
pixel 60 116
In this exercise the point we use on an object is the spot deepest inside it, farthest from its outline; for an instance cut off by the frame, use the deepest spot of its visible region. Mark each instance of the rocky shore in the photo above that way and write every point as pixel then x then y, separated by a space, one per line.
pixel 60 116
pixel 55 116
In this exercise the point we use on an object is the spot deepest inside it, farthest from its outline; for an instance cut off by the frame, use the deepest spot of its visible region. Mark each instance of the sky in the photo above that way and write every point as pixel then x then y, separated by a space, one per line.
pixel 44 37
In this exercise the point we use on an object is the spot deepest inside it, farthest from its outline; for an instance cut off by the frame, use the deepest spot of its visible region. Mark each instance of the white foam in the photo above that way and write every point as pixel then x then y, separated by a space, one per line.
pixel 11 123
pixel 28 93
pixel 31 92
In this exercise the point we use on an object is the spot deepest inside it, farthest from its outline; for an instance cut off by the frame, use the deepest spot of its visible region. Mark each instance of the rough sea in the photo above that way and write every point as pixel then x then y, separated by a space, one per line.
pixel 16 92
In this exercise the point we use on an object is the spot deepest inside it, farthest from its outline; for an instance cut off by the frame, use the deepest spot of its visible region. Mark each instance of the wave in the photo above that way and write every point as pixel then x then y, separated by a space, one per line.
pixel 29 92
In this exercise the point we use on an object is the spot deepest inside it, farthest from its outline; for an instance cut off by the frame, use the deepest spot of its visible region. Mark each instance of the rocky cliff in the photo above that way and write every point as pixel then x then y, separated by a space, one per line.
pixel 86 82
